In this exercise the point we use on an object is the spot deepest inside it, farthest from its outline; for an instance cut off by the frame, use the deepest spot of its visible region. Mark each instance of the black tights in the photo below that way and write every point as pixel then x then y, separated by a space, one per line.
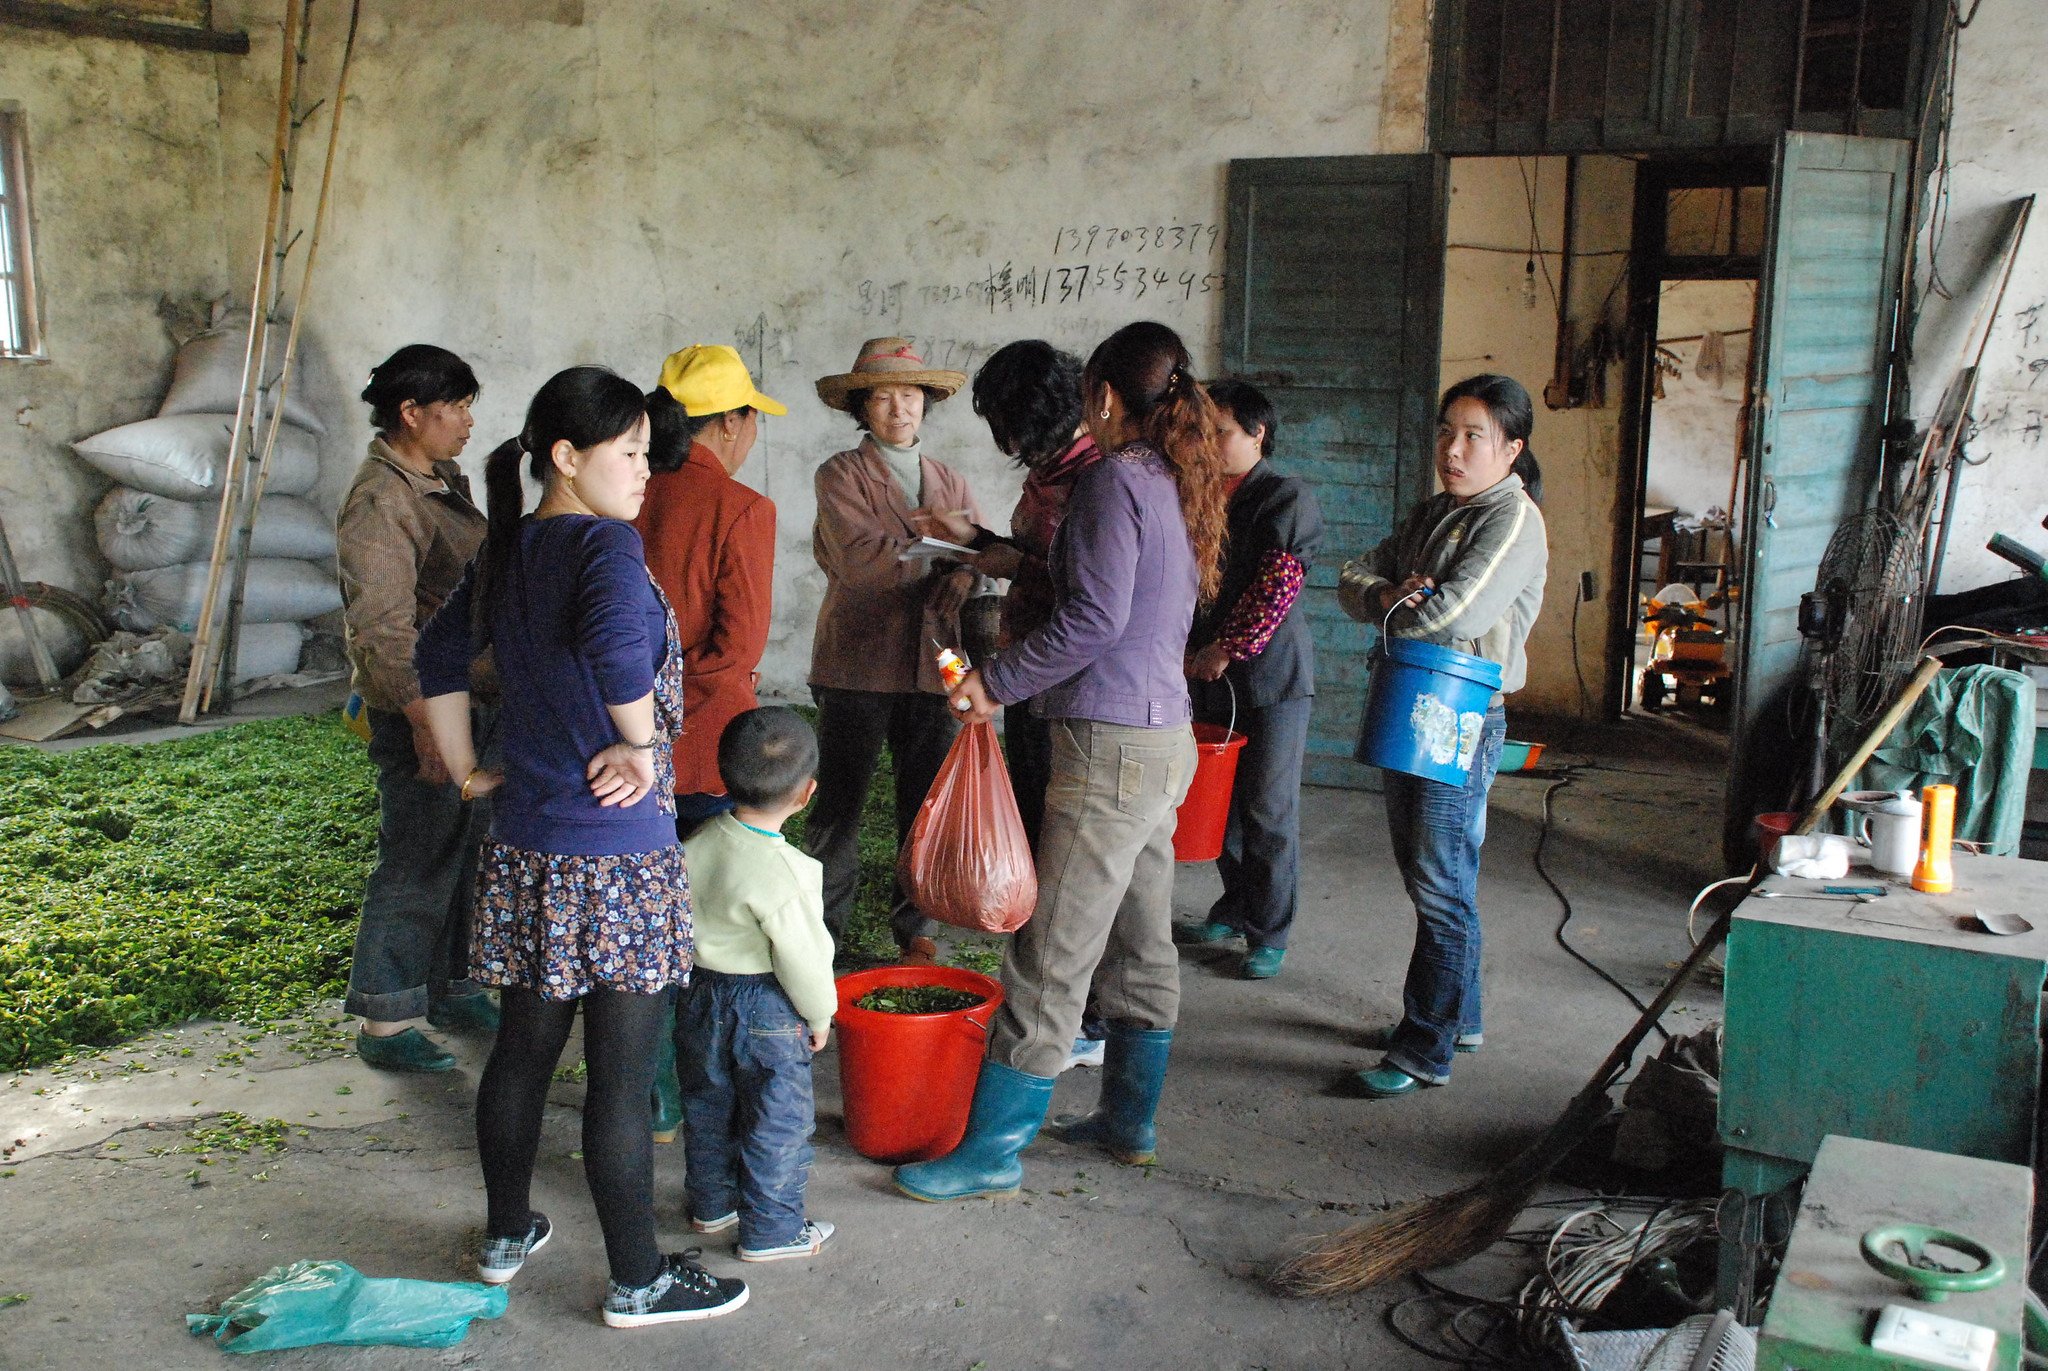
pixel 620 1034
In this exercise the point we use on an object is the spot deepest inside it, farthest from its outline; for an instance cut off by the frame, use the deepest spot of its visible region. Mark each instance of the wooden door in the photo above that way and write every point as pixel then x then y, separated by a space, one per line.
pixel 1825 318
pixel 1335 308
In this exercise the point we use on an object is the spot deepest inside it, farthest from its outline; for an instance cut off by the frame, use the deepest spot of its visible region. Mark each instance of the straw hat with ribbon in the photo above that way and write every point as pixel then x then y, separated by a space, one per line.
pixel 887 362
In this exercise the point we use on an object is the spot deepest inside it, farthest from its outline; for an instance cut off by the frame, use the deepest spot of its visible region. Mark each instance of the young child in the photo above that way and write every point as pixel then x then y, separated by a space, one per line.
pixel 761 1000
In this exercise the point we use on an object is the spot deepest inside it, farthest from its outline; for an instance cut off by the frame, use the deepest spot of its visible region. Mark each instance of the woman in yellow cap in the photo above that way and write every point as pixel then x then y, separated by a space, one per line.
pixel 872 668
pixel 710 543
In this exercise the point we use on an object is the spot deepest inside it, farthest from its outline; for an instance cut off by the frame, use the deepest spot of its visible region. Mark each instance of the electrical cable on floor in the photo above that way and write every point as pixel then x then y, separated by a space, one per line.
pixel 1542 842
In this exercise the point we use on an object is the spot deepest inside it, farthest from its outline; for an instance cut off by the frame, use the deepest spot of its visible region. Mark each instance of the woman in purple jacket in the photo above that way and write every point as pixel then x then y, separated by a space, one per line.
pixel 581 899
pixel 1141 543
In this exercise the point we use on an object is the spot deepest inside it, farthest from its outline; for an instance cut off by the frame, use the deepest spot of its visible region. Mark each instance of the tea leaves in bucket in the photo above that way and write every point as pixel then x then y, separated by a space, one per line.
pixel 918 999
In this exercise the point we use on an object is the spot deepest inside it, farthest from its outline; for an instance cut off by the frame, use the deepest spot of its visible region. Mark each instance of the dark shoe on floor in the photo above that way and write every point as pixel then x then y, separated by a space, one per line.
pixel 1202 934
pixel 814 1235
pixel 476 1013
pixel 1380 1039
pixel 1384 1082
pixel 683 1291
pixel 411 1050
pixel 502 1257
pixel 920 952
pixel 1263 963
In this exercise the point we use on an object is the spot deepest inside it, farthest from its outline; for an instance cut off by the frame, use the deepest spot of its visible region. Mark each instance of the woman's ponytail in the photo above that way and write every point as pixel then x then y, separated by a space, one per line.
pixel 504 502
pixel 1149 369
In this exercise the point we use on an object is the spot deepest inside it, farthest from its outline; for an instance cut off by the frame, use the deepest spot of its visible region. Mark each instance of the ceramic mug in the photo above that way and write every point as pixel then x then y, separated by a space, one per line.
pixel 1894 841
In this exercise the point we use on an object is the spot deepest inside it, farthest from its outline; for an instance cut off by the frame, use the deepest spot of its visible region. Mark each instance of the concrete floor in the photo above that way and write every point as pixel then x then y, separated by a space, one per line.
pixel 1096 1265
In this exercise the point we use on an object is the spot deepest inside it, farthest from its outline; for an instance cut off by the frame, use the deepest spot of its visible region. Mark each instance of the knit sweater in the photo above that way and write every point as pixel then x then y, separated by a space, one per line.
pixel 758 904
pixel 1489 558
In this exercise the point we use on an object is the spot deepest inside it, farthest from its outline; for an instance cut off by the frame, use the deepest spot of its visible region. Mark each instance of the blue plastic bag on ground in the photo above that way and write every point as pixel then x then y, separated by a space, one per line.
pixel 313 1302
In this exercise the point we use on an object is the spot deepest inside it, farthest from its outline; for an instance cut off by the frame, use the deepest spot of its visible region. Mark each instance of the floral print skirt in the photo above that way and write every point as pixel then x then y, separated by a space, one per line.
pixel 564 925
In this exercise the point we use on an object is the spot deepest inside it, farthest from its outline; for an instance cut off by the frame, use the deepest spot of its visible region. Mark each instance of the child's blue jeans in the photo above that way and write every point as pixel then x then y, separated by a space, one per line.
pixel 743 1058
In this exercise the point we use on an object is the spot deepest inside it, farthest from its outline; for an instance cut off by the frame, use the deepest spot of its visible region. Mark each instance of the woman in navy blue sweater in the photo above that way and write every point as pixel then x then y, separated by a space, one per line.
pixel 582 899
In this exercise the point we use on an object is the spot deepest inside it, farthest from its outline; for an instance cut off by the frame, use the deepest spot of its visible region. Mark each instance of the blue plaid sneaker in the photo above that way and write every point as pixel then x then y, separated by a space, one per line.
pixel 684 1290
pixel 502 1257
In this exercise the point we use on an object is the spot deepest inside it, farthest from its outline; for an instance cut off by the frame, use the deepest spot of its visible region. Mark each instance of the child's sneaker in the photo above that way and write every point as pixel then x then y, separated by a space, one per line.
pixel 502 1257
pixel 816 1233
pixel 717 1225
pixel 1086 1052
pixel 683 1291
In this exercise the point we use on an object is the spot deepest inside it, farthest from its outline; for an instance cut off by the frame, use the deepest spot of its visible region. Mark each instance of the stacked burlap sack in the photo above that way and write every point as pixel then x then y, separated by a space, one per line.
pixel 156 525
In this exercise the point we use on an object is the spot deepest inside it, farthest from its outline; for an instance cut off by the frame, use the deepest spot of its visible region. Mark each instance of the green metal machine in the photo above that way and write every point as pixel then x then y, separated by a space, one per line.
pixel 1847 1280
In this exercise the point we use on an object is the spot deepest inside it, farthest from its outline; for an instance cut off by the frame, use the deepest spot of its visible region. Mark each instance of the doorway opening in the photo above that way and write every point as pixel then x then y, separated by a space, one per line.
pixel 1698 249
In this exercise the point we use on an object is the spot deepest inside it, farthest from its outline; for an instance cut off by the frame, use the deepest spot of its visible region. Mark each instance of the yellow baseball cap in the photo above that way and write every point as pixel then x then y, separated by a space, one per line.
pixel 711 379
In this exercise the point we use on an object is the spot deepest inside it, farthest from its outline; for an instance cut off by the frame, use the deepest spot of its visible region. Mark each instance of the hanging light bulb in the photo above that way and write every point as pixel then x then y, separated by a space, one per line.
pixel 1529 284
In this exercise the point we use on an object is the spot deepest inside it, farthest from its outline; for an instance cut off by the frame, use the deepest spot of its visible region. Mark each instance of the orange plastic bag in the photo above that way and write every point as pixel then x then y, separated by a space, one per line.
pixel 967 862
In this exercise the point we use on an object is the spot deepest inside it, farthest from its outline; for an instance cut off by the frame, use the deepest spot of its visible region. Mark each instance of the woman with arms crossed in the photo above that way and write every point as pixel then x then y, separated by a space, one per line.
pixel 1466 568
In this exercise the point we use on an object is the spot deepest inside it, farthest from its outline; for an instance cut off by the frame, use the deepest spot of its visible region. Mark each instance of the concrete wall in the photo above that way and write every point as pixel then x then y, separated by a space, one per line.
pixel 1997 155
pixel 1693 426
pixel 1494 322
pixel 566 184
pixel 124 149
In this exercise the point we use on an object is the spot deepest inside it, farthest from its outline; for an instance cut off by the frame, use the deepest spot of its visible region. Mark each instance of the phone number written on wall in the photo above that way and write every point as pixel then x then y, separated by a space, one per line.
pixel 1147 262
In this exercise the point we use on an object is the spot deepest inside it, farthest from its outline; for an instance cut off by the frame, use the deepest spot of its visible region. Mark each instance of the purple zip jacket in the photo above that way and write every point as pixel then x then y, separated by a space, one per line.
pixel 1124 588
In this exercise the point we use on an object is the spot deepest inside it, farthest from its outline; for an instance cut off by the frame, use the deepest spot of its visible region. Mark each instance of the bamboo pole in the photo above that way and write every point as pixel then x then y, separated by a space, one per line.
pixel 195 677
pixel 223 676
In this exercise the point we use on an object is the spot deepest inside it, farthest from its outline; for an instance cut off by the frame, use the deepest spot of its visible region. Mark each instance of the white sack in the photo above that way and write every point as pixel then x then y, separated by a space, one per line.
pixel 139 531
pixel 279 591
pixel 268 650
pixel 128 662
pixel 181 456
pixel 67 646
pixel 207 378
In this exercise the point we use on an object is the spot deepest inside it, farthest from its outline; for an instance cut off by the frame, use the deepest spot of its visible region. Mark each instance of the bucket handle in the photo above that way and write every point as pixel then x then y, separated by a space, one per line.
pixel 1423 594
pixel 1230 731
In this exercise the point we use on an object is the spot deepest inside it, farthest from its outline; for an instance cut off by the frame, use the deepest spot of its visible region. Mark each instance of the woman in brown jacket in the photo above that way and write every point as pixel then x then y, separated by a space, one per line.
pixel 872 668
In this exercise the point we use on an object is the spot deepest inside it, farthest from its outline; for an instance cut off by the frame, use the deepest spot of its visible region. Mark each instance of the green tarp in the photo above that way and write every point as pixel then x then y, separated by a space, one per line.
pixel 1974 730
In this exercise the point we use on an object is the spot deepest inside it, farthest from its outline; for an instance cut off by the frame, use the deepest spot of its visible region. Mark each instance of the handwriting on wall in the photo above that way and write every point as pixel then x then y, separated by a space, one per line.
pixel 1103 264
pixel 1008 288
pixel 1073 240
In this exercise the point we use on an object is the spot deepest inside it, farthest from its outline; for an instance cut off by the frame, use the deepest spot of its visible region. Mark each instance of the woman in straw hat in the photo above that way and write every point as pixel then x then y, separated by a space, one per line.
pixel 872 668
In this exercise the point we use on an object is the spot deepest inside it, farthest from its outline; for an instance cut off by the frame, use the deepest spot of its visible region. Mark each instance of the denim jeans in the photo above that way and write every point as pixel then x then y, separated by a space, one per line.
pixel 744 1060
pixel 852 727
pixel 1261 859
pixel 1437 831
pixel 1105 894
pixel 412 944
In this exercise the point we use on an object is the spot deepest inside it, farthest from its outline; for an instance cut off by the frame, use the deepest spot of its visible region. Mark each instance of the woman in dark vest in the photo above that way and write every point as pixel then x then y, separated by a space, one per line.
pixel 1251 659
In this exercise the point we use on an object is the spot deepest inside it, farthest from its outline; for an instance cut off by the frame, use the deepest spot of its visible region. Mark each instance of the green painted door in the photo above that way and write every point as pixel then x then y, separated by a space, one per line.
pixel 1334 308
pixel 1830 283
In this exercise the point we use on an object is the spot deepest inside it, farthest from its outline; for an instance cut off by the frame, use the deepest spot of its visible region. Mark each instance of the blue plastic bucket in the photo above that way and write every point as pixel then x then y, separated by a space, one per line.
pixel 1425 710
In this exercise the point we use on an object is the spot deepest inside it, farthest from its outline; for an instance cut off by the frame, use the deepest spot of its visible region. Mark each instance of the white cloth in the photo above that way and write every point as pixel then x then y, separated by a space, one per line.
pixel 1813 856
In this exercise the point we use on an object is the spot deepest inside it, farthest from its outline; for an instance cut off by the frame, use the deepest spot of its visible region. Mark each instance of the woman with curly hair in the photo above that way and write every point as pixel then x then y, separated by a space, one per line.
pixel 1141 544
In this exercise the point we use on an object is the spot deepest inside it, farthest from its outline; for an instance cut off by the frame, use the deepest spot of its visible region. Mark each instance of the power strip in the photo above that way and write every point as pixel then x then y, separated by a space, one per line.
pixel 1932 1339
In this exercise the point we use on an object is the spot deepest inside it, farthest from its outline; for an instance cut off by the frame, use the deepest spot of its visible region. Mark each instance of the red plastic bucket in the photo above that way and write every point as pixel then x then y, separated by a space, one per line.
pixel 1205 813
pixel 1769 828
pixel 907 1079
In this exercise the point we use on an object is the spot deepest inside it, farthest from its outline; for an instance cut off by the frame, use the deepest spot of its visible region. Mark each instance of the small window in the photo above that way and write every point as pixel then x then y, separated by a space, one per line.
pixel 20 333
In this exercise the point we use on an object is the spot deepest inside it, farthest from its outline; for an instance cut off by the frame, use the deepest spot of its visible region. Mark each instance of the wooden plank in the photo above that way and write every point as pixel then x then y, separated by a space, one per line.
pixel 30 14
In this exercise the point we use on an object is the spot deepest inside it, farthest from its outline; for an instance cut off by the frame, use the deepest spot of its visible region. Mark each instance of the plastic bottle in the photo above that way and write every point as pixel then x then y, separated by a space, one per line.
pixel 953 669
pixel 1936 874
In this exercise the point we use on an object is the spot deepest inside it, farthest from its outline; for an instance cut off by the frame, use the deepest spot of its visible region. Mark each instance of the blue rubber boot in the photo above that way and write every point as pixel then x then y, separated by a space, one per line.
pixel 1133 1074
pixel 1008 1108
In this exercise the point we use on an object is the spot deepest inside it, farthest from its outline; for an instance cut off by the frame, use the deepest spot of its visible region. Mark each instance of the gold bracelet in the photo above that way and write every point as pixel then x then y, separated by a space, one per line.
pixel 474 772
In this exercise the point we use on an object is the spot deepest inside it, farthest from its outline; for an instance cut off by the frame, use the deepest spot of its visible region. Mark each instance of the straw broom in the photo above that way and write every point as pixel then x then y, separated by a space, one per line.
pixel 1446 1229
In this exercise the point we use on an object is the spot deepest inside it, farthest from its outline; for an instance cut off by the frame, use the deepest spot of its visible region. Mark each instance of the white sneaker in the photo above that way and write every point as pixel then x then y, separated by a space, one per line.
pixel 1087 1052
pixel 816 1233
pixel 717 1225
